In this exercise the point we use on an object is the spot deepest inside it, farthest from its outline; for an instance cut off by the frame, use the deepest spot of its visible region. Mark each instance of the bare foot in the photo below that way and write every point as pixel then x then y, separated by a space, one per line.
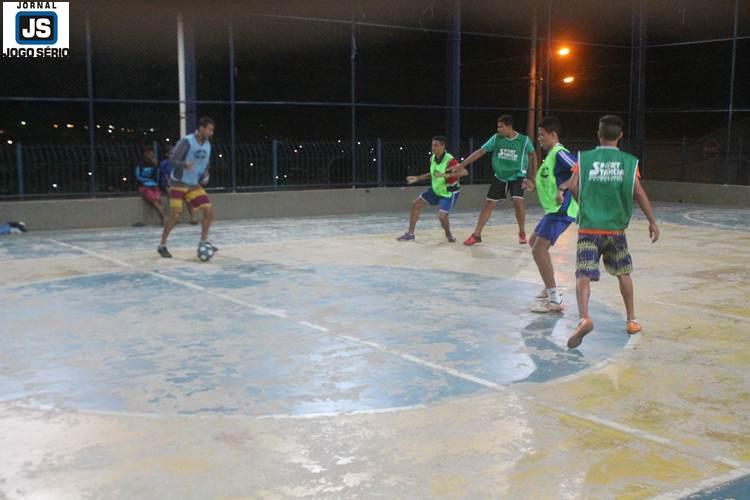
pixel 584 328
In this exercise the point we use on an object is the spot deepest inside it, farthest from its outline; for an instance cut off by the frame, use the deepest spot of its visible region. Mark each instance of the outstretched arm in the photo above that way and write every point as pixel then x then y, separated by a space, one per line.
pixel 471 159
pixel 416 178
pixel 642 198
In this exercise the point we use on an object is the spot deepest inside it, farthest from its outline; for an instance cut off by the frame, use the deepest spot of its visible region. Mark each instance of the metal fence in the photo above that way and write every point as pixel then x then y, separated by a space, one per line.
pixel 36 171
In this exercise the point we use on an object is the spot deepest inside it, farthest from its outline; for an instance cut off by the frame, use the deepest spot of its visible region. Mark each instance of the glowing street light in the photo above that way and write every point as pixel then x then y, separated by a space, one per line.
pixel 563 51
pixel 568 80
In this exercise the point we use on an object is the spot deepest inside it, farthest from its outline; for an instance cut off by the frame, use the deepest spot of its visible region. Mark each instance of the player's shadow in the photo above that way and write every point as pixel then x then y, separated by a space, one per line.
pixel 551 360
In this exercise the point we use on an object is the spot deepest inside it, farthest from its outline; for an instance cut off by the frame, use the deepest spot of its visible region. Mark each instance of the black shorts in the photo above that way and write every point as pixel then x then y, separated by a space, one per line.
pixel 499 190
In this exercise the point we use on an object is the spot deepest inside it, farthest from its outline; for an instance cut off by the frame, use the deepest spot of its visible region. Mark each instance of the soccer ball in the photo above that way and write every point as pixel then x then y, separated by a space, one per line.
pixel 205 252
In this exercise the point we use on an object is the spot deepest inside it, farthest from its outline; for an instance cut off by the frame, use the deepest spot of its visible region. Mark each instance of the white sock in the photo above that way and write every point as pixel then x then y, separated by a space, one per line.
pixel 553 295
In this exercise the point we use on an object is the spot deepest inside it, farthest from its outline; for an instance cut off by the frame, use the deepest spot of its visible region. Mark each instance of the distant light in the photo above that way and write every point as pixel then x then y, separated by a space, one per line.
pixel 374 159
pixel 151 130
pixel 277 176
pixel 252 164
pixel 400 148
pixel 23 123
pixel 124 179
pixel 10 142
pixel 55 125
pixel 285 177
pixel 296 151
pixel 221 155
pixel 98 126
pixel 167 139
pixel 462 158
pixel 339 141
pixel 564 51
pixel 300 146
pixel 70 125
pixel 54 186
pixel 358 143
pixel 110 131
pixel 90 173
pixel 568 79
pixel 110 126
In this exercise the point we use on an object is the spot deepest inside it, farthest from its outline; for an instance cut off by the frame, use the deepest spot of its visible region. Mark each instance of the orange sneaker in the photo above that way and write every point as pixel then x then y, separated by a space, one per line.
pixel 584 328
pixel 472 240
pixel 633 327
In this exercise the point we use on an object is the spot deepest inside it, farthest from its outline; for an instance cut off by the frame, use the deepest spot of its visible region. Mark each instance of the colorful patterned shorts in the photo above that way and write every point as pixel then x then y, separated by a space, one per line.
pixel 612 249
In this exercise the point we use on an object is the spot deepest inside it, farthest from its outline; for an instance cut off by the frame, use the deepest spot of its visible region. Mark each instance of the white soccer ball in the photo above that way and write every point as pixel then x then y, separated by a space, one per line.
pixel 205 252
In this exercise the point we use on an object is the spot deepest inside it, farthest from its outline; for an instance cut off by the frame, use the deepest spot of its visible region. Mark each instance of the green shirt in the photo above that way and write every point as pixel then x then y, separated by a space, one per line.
pixel 440 185
pixel 546 186
pixel 510 157
pixel 605 188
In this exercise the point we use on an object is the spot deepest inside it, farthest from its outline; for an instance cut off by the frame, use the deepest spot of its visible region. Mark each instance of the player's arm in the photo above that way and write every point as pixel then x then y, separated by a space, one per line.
pixel 416 178
pixel 177 162
pixel 572 183
pixel 642 198
pixel 528 181
pixel 471 159
pixel 139 175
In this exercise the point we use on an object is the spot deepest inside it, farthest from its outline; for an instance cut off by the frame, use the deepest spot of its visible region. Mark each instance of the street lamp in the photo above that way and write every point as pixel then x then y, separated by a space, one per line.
pixel 563 51
pixel 569 79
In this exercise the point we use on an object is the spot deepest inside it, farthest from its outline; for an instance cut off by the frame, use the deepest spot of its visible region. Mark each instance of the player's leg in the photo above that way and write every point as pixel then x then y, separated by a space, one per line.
pixel 494 194
pixel 587 270
pixel 424 199
pixel 446 206
pixel 618 262
pixel 176 198
pixel 515 188
pixel 198 200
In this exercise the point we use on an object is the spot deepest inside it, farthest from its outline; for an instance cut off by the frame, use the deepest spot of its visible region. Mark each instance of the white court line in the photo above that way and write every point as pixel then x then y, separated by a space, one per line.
pixel 703 310
pixel 703 485
pixel 626 429
pixel 53 280
pixel 283 314
pixel 689 216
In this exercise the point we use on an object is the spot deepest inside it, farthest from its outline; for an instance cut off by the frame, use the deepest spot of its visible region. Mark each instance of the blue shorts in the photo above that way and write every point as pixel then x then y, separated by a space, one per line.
pixel 552 226
pixel 446 204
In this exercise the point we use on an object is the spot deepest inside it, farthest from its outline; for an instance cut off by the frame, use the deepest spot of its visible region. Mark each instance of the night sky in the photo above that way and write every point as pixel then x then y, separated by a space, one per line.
pixel 135 57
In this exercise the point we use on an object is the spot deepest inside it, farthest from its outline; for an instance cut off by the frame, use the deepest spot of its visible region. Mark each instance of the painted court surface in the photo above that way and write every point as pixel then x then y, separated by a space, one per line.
pixel 319 357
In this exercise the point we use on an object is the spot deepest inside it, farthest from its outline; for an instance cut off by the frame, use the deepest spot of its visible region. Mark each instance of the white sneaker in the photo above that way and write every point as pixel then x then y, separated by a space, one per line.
pixel 548 307
pixel 543 293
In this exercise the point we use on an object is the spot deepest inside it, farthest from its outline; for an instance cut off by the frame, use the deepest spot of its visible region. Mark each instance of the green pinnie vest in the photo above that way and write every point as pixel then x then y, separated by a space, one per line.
pixel 605 189
pixel 439 185
pixel 546 184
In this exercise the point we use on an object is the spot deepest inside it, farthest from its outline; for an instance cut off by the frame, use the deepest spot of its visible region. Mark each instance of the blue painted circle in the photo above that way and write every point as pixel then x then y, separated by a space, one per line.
pixel 133 342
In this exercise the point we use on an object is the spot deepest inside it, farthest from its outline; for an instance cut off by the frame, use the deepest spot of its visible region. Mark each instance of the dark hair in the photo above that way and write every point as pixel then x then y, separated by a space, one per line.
pixel 441 139
pixel 205 122
pixel 506 119
pixel 551 124
pixel 610 127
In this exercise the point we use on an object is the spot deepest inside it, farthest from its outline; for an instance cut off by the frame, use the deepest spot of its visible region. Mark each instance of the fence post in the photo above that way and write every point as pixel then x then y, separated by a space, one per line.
pixel 19 170
pixel 275 156
pixel 741 179
pixel 683 166
pixel 379 160
pixel 471 170
pixel 155 147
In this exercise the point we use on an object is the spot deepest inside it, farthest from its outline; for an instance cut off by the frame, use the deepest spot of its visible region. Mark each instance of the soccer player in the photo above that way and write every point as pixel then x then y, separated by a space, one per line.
pixel 560 209
pixel 604 182
pixel 511 155
pixel 13 228
pixel 443 192
pixel 165 172
pixel 189 162
pixel 147 175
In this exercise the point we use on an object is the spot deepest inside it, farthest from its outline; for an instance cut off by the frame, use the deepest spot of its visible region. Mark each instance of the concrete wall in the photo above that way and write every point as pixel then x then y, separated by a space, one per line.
pixel 120 212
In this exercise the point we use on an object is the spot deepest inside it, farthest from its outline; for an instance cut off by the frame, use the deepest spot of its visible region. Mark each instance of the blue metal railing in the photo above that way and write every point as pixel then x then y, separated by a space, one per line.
pixel 29 171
